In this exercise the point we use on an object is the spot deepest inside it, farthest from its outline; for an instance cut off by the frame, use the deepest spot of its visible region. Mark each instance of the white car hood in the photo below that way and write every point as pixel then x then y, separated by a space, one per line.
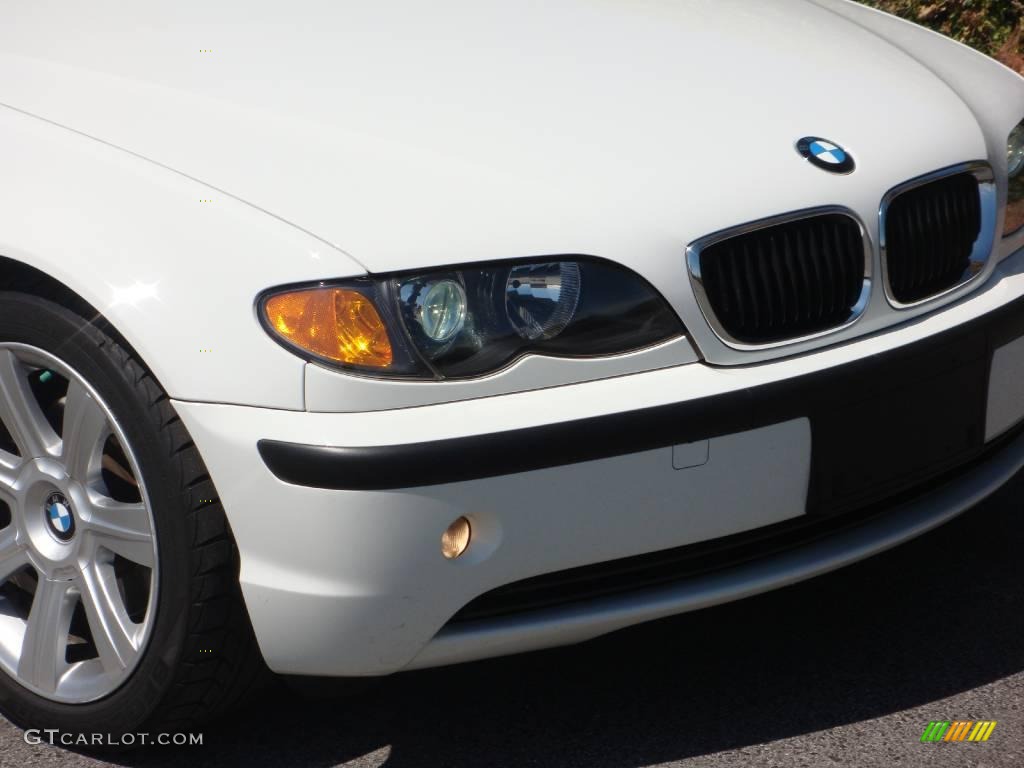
pixel 411 134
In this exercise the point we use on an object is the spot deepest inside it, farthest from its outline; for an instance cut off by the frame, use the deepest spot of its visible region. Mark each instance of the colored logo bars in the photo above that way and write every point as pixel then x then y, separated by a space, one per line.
pixel 958 730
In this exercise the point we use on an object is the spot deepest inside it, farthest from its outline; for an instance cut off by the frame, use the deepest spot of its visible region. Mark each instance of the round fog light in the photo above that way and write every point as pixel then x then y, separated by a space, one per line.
pixel 455 540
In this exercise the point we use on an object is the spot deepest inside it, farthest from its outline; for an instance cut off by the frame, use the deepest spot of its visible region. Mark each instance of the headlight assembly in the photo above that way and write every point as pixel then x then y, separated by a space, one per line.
pixel 1015 152
pixel 1015 172
pixel 472 320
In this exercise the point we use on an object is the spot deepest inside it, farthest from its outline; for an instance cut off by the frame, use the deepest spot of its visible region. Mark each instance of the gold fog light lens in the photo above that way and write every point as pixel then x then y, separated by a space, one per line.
pixel 335 323
pixel 455 540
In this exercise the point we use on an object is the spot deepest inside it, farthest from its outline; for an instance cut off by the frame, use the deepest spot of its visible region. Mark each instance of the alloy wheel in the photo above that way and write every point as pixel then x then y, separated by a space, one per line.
pixel 78 555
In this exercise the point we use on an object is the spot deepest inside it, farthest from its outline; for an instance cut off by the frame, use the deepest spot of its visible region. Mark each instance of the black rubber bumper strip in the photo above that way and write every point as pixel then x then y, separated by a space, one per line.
pixel 460 459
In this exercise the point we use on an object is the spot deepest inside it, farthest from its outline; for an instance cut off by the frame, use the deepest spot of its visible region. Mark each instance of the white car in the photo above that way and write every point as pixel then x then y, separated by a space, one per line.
pixel 350 338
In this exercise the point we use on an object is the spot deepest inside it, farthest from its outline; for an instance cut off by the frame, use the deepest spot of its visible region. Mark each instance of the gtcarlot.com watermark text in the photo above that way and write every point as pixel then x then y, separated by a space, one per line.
pixel 63 739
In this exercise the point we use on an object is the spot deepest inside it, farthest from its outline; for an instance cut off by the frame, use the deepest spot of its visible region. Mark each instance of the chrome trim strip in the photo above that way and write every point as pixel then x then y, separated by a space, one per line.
pixel 694 250
pixel 982 263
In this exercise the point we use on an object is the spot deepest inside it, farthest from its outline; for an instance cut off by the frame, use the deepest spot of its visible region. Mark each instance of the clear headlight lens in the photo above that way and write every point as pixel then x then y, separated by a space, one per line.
pixel 439 306
pixel 542 298
pixel 470 321
pixel 1015 171
pixel 1015 152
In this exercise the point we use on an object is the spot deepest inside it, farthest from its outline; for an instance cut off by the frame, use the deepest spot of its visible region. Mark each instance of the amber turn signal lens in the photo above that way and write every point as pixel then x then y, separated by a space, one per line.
pixel 335 323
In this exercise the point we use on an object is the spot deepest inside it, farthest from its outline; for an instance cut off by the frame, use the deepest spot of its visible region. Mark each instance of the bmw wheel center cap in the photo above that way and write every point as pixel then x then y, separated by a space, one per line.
pixel 59 516
pixel 826 155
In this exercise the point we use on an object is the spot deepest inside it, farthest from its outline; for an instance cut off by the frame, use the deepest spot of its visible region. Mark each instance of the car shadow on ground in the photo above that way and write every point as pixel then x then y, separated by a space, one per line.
pixel 933 618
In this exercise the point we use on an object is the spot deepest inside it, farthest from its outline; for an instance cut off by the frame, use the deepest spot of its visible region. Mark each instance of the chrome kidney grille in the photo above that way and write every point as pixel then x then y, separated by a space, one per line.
pixel 783 280
pixel 930 236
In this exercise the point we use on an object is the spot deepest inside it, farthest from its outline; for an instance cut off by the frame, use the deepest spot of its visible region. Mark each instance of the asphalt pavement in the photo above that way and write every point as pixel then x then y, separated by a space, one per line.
pixel 844 670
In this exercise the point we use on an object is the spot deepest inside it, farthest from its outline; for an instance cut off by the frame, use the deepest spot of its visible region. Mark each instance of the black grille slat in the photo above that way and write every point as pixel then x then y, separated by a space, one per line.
pixel 949 208
pixel 853 267
pixel 843 275
pixel 738 300
pixel 932 267
pixel 771 300
pixel 790 269
pixel 948 254
pixel 817 271
pixel 843 268
pixel 784 281
pixel 831 286
pixel 806 285
pixel 896 241
pixel 781 285
pixel 917 234
pixel 754 291
pixel 930 235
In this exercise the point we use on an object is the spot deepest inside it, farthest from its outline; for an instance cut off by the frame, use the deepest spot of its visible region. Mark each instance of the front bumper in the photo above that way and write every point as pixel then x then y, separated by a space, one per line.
pixel 340 560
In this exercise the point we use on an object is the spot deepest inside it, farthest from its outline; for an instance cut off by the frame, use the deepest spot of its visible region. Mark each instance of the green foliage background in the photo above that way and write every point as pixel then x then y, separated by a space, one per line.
pixel 992 26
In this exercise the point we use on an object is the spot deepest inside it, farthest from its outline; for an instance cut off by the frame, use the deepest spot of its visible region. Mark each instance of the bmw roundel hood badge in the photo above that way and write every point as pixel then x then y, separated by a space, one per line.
pixel 826 155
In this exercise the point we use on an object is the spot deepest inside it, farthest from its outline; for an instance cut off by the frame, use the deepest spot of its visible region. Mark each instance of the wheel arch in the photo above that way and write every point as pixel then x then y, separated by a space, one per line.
pixel 24 278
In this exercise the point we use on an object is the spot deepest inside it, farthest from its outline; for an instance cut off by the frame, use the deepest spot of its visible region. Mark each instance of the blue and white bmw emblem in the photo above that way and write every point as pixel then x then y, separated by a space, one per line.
pixel 826 155
pixel 58 515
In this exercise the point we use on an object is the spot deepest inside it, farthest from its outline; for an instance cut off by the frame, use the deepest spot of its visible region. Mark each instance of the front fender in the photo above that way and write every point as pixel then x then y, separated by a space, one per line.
pixel 172 264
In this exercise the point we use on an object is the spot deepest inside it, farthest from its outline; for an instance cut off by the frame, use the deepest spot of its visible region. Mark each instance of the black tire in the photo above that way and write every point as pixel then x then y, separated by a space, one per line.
pixel 201 656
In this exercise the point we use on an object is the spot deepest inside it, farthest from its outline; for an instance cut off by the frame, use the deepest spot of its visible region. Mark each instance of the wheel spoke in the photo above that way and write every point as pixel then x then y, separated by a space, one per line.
pixel 85 426
pixel 123 528
pixel 12 555
pixel 113 633
pixel 20 411
pixel 9 464
pixel 44 646
pixel 8 493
